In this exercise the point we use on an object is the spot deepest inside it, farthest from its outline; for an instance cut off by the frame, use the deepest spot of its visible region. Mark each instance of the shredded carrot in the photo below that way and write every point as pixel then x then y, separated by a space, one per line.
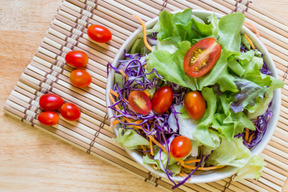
pixel 181 174
pixel 250 138
pixel 124 74
pixel 250 42
pixel 113 101
pixel 115 122
pixel 114 93
pixel 143 147
pixel 192 161
pixel 144 32
pixel 203 168
pixel 255 29
pixel 146 92
pixel 246 134
pixel 155 167
pixel 151 147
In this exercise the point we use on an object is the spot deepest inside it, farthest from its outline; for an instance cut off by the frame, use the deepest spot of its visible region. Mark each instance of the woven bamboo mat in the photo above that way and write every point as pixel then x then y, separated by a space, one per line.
pixel 47 72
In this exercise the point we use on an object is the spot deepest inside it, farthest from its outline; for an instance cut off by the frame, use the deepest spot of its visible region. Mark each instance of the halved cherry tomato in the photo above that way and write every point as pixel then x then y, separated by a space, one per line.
pixel 162 99
pixel 76 59
pixel 48 118
pixel 201 57
pixel 140 102
pixel 99 33
pixel 70 111
pixel 80 78
pixel 180 146
pixel 50 102
pixel 195 104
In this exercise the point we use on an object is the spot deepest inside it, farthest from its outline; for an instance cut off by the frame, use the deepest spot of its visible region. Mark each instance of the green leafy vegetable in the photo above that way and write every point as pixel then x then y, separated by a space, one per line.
pixel 130 139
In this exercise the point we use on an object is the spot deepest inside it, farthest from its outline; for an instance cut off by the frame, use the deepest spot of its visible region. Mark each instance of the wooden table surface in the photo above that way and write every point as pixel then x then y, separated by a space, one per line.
pixel 31 160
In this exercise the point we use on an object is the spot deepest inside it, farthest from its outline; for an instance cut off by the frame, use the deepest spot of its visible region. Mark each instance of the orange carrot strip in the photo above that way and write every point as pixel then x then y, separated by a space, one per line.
pixel 250 42
pixel 124 74
pixel 114 93
pixel 146 92
pixel 151 147
pixel 143 147
pixel 144 32
pixel 246 134
pixel 250 138
pixel 113 101
pixel 116 122
pixel 203 168
pixel 255 29
pixel 182 174
pixel 192 161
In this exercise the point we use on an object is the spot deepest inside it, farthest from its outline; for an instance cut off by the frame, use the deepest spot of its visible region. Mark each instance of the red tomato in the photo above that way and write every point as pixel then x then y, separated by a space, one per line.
pixel 201 57
pixel 70 111
pixel 195 104
pixel 99 33
pixel 180 146
pixel 140 102
pixel 50 102
pixel 48 118
pixel 76 59
pixel 162 99
pixel 80 78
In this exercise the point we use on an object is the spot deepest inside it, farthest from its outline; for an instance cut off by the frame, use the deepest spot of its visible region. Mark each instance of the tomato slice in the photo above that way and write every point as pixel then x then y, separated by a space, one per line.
pixel 140 102
pixel 195 104
pixel 162 99
pixel 180 146
pixel 201 57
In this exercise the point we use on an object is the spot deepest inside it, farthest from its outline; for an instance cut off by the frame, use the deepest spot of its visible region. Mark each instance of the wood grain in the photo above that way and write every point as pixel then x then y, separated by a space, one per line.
pixel 31 160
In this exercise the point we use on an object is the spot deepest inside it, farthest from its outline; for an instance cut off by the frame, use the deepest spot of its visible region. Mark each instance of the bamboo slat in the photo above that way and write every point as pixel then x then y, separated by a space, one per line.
pixel 92 133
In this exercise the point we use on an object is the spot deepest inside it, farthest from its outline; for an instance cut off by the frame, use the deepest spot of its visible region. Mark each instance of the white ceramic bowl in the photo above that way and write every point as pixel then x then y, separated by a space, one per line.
pixel 204 176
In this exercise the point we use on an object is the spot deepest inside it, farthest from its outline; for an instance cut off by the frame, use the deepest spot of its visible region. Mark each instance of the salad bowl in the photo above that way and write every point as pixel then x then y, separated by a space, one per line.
pixel 212 175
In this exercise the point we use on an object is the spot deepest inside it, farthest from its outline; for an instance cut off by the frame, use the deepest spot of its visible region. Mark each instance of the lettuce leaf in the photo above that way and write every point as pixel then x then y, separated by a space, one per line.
pixel 130 139
pixel 252 170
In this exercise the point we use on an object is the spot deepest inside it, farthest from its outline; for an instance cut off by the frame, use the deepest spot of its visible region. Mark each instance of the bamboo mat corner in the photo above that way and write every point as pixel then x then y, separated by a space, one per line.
pixel 47 72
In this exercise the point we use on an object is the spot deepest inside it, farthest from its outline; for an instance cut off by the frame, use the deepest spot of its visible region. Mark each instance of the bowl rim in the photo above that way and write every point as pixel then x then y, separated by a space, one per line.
pixel 224 172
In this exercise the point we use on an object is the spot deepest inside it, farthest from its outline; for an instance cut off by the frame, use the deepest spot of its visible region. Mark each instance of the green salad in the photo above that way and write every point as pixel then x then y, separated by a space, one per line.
pixel 198 100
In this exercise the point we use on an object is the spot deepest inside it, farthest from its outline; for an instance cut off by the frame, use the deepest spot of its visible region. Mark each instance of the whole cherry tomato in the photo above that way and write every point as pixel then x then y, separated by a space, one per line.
pixel 50 102
pixel 99 33
pixel 140 102
pixel 201 57
pixel 162 99
pixel 80 78
pixel 76 59
pixel 70 111
pixel 195 104
pixel 180 146
pixel 48 118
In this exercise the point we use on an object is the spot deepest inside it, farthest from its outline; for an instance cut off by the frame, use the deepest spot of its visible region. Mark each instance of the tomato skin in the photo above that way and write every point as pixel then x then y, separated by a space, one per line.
pixel 140 102
pixel 76 59
pixel 201 57
pixel 195 104
pixel 50 102
pixel 48 118
pixel 162 99
pixel 99 33
pixel 70 111
pixel 80 78
pixel 180 146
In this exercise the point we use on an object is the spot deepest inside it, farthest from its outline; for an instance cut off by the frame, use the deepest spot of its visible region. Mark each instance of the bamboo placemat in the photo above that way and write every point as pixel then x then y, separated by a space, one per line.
pixel 47 72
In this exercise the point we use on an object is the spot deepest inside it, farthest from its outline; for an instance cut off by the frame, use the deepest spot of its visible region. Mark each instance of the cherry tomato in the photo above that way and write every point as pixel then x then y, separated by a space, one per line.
pixel 70 111
pixel 201 57
pixel 76 59
pixel 99 33
pixel 162 99
pixel 48 118
pixel 50 102
pixel 180 146
pixel 140 102
pixel 195 104
pixel 80 78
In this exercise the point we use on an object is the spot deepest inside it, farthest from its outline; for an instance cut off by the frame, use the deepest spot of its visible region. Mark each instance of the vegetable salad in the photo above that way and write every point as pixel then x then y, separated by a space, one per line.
pixel 194 97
